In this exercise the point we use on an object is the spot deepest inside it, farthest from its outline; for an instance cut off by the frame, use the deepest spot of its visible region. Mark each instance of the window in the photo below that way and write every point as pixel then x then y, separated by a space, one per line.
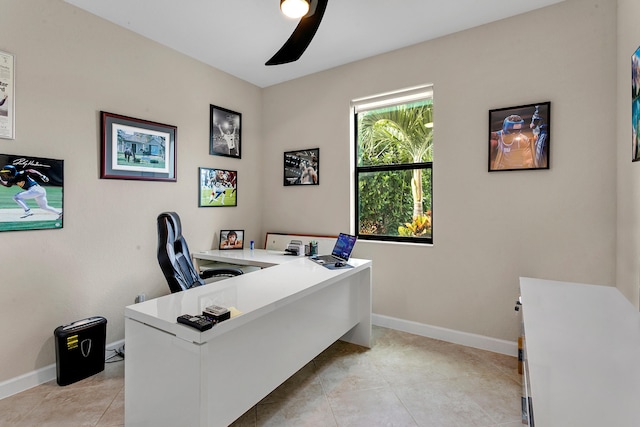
pixel 393 166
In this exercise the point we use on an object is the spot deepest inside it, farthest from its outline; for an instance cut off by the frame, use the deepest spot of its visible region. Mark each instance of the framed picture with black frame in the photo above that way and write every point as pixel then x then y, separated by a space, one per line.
pixel 225 132
pixel 520 137
pixel 137 149
pixel 635 105
pixel 302 167
pixel 218 188
pixel 231 239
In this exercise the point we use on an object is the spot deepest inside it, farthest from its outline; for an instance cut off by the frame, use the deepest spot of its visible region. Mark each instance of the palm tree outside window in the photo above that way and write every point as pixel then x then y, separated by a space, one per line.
pixel 393 170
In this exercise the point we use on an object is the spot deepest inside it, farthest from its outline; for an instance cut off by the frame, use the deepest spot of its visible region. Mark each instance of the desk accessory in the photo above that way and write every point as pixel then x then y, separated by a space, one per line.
pixel 216 313
pixel 296 247
pixel 201 323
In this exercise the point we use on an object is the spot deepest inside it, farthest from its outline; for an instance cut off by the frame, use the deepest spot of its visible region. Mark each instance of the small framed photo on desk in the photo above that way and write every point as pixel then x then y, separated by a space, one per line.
pixel 231 239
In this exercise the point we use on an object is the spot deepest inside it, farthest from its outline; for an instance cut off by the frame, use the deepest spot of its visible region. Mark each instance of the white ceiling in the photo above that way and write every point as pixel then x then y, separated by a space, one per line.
pixel 239 36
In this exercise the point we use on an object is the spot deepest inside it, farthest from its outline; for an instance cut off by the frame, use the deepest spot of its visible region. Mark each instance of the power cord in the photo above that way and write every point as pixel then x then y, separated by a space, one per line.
pixel 117 353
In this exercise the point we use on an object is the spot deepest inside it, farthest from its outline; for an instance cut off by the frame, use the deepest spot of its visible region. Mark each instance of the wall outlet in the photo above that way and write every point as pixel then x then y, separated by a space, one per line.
pixel 141 298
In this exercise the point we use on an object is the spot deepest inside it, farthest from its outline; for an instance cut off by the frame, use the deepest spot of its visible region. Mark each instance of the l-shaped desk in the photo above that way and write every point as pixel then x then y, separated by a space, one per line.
pixel 288 313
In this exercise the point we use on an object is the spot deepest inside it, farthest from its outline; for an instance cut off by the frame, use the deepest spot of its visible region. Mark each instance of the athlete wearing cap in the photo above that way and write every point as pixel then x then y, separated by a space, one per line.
pixel 10 176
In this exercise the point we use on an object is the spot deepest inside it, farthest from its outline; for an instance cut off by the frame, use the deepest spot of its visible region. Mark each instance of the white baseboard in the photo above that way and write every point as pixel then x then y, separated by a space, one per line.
pixel 37 377
pixel 463 338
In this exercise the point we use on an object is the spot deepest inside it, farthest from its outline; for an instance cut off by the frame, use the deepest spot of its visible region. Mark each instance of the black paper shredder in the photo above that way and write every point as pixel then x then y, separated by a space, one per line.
pixel 80 349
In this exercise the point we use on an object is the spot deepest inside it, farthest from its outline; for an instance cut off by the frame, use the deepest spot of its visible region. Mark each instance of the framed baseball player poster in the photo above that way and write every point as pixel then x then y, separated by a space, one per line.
pixel 31 190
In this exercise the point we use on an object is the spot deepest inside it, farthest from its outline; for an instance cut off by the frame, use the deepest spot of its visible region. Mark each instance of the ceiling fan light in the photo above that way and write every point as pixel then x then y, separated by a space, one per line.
pixel 294 8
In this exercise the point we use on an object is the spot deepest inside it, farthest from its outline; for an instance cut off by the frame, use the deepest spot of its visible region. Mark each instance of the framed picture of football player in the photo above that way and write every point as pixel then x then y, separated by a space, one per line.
pixel 520 137
pixel 30 193
pixel 224 132
pixel 218 188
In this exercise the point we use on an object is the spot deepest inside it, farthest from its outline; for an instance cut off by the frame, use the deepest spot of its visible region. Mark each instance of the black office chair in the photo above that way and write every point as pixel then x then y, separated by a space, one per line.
pixel 175 260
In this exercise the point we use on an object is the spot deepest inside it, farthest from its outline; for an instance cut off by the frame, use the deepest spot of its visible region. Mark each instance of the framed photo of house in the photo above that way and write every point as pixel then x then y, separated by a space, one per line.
pixel 7 96
pixel 231 239
pixel 225 132
pixel 218 188
pixel 520 137
pixel 635 105
pixel 39 208
pixel 137 149
pixel 302 167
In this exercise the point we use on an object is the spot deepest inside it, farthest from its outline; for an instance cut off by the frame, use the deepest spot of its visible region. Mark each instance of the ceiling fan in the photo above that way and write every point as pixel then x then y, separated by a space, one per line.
pixel 299 40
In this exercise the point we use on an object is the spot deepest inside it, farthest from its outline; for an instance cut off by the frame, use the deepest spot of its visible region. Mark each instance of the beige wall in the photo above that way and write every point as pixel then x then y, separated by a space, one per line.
pixel 628 248
pixel 489 228
pixel 71 65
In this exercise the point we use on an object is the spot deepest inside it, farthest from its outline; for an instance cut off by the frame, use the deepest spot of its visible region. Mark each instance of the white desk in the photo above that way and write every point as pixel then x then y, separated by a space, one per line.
pixel 257 257
pixel 583 354
pixel 291 311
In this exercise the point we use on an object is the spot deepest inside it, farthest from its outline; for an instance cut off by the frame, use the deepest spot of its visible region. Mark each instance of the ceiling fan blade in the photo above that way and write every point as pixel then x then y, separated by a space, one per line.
pixel 299 40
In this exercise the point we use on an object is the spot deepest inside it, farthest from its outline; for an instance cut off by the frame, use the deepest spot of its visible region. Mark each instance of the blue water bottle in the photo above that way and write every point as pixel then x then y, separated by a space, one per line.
pixel 251 245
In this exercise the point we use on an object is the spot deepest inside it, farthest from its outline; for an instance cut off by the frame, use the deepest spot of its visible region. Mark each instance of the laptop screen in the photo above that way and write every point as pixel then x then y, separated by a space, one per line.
pixel 344 246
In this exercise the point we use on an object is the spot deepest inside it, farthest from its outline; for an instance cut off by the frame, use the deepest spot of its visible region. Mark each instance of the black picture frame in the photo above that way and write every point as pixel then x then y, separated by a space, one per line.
pixel 302 167
pixel 225 244
pixel 217 188
pixel 137 149
pixel 635 105
pixel 225 132
pixel 520 137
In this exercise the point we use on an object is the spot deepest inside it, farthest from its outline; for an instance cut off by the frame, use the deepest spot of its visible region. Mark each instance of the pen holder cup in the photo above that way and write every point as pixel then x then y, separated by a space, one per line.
pixel 313 249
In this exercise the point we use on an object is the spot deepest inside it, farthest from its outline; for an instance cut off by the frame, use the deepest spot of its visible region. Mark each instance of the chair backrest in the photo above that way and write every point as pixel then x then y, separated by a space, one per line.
pixel 173 254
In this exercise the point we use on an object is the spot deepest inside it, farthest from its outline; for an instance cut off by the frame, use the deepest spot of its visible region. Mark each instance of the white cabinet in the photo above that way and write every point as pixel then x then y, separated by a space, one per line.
pixel 582 354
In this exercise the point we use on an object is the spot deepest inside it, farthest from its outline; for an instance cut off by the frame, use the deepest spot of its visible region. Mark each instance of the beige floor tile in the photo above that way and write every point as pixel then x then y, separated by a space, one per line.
pixel 311 412
pixel 114 415
pixel 304 384
pixel 348 373
pixel 440 404
pixel 366 408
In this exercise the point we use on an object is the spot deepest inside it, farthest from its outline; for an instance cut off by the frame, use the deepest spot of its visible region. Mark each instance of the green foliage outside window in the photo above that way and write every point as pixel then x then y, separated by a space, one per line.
pixel 394 161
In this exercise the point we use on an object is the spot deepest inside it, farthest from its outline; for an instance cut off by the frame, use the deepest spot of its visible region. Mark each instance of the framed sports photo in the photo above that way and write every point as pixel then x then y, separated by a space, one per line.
pixel 218 188
pixel 302 167
pixel 231 239
pixel 224 132
pixel 520 137
pixel 31 193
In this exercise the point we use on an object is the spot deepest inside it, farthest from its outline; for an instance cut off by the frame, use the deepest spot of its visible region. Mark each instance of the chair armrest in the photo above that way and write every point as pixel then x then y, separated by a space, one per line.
pixel 221 271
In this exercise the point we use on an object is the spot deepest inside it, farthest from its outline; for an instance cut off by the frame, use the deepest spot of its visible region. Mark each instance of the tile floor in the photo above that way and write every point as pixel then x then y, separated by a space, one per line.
pixel 403 380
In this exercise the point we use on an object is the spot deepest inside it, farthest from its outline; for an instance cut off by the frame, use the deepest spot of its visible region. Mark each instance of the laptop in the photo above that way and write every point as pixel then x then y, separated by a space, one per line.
pixel 341 250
